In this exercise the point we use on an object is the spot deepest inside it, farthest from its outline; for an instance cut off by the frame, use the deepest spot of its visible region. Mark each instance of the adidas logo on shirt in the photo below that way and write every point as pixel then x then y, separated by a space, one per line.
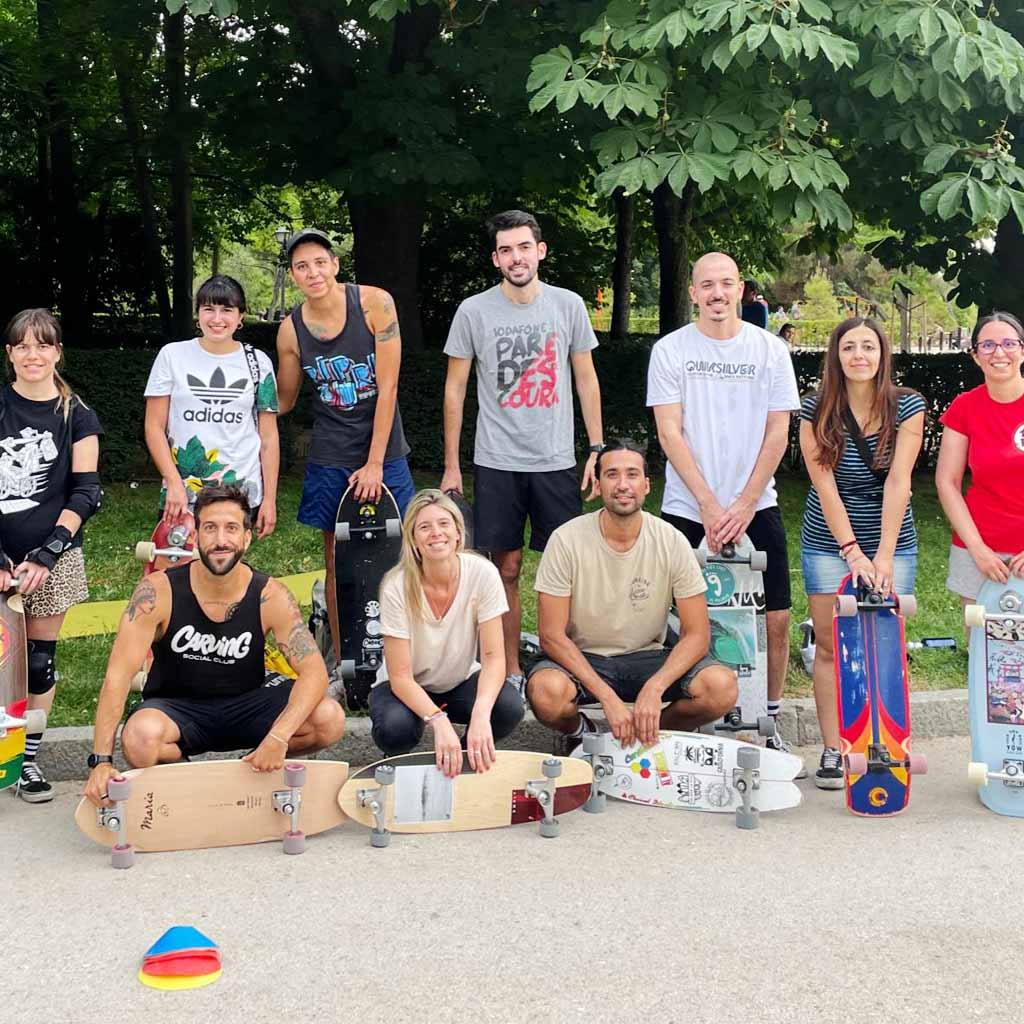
pixel 215 394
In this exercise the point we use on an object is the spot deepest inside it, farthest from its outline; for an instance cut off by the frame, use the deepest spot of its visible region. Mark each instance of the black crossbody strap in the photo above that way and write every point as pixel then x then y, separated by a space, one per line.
pixel 254 372
pixel 853 429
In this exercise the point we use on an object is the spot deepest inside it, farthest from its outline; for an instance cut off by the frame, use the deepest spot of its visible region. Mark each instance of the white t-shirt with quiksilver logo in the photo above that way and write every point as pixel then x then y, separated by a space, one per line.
pixel 210 425
pixel 726 389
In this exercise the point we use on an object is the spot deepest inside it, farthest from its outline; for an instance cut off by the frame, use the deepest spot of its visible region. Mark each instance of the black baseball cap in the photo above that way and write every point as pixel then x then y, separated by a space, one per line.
pixel 309 235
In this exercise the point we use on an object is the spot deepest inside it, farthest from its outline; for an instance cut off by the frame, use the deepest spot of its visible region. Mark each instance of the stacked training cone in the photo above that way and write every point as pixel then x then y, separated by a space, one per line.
pixel 181 958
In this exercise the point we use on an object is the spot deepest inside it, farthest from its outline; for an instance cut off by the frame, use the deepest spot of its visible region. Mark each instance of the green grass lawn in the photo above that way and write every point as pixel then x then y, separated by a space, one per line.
pixel 129 512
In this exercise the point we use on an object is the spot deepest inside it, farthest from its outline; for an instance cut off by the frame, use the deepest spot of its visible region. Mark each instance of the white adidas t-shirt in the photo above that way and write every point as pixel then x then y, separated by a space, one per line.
pixel 210 425
pixel 726 389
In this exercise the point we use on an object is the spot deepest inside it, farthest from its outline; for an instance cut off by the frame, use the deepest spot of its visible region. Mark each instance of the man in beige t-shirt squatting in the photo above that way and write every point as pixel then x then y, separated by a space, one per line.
pixel 604 587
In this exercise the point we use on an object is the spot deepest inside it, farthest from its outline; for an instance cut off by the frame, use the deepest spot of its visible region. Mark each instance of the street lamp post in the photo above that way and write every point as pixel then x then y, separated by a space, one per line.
pixel 277 310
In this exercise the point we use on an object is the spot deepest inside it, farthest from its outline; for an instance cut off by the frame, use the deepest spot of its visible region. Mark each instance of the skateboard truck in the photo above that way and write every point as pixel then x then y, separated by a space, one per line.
pixel 375 800
pixel 878 759
pixel 1011 775
pixel 746 779
pixel 543 791
pixel 122 854
pixel 288 801
pixel 591 750
pixel 732 721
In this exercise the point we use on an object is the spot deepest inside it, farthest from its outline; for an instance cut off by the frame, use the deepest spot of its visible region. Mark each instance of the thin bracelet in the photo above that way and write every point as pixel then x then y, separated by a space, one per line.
pixel 273 735
pixel 843 548
pixel 439 713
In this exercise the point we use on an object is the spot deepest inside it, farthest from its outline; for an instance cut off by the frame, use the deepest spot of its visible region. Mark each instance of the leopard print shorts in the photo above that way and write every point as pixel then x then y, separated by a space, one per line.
pixel 64 587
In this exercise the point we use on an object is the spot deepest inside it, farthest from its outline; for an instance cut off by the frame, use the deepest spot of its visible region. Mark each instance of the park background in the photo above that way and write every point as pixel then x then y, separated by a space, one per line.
pixel 854 155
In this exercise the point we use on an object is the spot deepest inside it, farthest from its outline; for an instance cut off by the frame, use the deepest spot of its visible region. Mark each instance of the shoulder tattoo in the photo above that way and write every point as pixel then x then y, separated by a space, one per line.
pixel 143 601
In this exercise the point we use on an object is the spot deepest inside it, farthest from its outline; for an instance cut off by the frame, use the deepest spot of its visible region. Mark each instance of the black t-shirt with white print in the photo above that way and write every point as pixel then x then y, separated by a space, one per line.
pixel 35 466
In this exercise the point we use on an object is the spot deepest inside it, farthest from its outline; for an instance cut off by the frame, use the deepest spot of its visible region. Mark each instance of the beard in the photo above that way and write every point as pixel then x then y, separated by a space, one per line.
pixel 223 570
pixel 519 284
pixel 624 513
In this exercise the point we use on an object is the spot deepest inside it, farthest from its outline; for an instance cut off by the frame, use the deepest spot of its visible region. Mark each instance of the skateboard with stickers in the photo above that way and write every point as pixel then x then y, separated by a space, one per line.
pixel 367 543
pixel 996 695
pixel 692 772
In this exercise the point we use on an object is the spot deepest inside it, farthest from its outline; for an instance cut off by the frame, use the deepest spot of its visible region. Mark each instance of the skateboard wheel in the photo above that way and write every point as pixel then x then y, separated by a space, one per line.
pixel 393 527
pixel 348 668
pixel 748 757
pixel 35 720
pixel 702 557
pixel 145 551
pixel 974 616
pixel 122 856
pixel 846 606
pixel 342 532
pixel 856 764
pixel 977 773
pixel 747 819
pixel 758 561
pixel 766 725
pixel 918 764
pixel 551 768
pixel 384 774
pixel 549 829
pixel 907 606
pixel 380 839
pixel 595 804
pixel 294 842
pixel 119 788
pixel 294 775
pixel 591 742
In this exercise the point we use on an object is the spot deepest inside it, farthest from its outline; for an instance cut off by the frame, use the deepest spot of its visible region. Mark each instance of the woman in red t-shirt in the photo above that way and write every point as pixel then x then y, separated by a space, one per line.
pixel 984 431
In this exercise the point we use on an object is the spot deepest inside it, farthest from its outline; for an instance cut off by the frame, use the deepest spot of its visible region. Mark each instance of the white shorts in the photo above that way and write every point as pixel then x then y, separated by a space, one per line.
pixel 965 578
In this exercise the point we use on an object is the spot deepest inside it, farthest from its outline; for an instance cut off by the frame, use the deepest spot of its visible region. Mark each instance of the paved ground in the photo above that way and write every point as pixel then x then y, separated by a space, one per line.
pixel 635 914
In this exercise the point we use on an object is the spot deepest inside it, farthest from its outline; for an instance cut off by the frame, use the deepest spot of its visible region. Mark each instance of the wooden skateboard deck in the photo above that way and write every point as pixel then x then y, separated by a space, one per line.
pixel 368 542
pixel 996 695
pixel 691 772
pixel 13 686
pixel 203 804
pixel 873 700
pixel 422 799
pixel 739 635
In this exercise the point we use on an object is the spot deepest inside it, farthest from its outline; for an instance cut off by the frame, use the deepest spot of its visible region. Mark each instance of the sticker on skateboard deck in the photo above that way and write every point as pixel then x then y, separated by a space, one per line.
pixel 996 695
pixel 15 718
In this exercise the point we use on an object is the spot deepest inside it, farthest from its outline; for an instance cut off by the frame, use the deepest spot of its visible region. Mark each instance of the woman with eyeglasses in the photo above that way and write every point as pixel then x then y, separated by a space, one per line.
pixel 984 431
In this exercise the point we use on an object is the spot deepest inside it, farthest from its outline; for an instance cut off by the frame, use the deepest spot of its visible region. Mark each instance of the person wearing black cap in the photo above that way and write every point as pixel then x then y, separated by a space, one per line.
pixel 345 338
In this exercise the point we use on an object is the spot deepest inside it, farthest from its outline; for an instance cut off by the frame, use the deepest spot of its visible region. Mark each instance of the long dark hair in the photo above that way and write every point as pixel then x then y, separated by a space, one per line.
pixel 828 421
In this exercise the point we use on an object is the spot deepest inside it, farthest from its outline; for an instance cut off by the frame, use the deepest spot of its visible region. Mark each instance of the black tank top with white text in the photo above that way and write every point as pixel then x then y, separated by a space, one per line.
pixel 198 658
pixel 344 374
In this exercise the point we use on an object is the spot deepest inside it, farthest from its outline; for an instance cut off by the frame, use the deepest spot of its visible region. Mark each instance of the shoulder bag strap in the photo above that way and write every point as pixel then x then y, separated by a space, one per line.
pixel 853 429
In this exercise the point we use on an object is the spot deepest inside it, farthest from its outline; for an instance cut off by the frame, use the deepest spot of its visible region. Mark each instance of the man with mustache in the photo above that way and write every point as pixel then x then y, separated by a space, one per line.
pixel 206 622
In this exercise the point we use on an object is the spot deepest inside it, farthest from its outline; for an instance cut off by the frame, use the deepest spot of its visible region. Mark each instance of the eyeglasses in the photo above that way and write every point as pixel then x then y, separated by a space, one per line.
pixel 1008 345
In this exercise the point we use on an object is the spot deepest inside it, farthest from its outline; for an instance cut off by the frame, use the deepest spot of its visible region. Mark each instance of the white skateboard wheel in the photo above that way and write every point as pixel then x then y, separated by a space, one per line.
pixel 748 757
pixel 766 725
pixel 918 764
pixel 974 616
pixel 977 773
pixel 145 551
pixel 907 606
pixel 122 856
pixel 846 606
pixel 294 775
pixel 393 527
pixel 758 561
pixel 856 764
pixel 342 532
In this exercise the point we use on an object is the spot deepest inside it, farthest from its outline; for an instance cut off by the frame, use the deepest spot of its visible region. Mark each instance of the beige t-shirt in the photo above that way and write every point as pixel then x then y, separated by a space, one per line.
pixel 619 600
pixel 444 650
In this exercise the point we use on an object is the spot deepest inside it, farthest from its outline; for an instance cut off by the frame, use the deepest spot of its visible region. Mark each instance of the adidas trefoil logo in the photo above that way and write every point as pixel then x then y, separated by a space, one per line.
pixel 215 394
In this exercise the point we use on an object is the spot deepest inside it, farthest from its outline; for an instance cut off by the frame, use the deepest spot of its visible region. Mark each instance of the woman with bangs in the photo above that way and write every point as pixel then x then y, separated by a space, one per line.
pixel 49 487
pixel 438 607
pixel 211 411
pixel 860 436
pixel 984 432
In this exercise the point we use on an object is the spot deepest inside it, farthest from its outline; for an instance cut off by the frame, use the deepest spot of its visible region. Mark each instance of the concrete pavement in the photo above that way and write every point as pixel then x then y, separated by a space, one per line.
pixel 635 914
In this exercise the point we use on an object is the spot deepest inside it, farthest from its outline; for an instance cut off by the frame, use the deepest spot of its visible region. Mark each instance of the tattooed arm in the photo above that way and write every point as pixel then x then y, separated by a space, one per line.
pixel 382 320
pixel 142 622
pixel 281 614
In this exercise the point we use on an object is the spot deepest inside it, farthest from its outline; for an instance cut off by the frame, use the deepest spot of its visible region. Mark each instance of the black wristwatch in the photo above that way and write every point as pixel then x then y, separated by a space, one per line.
pixel 596 449
pixel 95 759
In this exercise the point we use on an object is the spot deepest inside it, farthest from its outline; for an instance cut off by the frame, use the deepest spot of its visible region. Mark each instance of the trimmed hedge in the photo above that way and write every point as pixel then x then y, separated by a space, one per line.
pixel 113 381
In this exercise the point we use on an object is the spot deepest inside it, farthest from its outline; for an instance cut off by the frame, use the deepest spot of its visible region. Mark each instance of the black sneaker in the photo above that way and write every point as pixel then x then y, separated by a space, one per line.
pixel 564 744
pixel 32 786
pixel 830 770
pixel 776 742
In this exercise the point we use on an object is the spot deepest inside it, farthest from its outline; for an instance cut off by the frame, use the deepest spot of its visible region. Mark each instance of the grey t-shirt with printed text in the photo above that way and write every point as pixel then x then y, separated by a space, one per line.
pixel 524 381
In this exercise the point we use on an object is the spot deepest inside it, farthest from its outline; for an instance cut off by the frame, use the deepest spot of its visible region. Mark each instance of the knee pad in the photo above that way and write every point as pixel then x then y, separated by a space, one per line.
pixel 41 675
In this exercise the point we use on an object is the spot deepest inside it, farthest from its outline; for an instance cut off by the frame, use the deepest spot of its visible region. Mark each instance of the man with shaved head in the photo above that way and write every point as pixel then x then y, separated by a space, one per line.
pixel 723 391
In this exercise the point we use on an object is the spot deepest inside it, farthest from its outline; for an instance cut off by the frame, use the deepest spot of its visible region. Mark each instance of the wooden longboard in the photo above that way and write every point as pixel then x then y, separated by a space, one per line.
pixel 13 685
pixel 692 772
pixel 422 799
pixel 996 695
pixel 203 804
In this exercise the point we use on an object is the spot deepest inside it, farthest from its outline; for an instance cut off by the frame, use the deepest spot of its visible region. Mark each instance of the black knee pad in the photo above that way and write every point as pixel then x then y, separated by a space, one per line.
pixel 41 675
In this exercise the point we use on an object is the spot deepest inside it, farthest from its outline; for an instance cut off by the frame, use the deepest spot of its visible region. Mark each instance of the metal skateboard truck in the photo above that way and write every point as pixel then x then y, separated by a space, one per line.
pixel 375 800
pixel 543 791
pixel 746 780
pixel 602 768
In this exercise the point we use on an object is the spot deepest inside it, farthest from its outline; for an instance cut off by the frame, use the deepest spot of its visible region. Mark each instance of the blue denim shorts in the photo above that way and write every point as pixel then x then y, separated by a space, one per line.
pixel 823 572
pixel 323 486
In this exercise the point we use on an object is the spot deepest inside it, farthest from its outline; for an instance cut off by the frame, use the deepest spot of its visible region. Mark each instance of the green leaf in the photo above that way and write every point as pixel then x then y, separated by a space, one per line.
pixel 549 67
pixel 979 196
pixel 678 174
pixel 840 52
pixel 387 9
pixel 817 10
pixel 742 163
pixel 724 139
pixel 961 59
pixel 224 8
pixel 1017 202
pixel 173 6
pixel 567 95
pixel 949 199
pixel 755 36
pixel 929 27
pixel 706 169
pixel 937 157
pixel 778 175
pixel 784 41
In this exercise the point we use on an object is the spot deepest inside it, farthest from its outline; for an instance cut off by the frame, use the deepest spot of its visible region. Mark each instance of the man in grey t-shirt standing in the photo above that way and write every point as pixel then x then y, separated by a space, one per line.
pixel 524 335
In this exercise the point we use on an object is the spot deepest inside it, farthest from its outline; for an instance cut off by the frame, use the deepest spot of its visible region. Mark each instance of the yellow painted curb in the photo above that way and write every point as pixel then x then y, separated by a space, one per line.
pixel 99 617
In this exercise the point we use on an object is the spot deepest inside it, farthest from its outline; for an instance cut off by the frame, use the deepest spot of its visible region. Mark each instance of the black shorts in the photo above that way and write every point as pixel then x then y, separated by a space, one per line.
pixel 767 534
pixel 626 674
pixel 502 500
pixel 223 723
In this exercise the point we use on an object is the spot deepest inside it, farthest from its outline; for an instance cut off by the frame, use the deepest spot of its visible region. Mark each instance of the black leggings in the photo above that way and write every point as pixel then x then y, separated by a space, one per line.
pixel 397 730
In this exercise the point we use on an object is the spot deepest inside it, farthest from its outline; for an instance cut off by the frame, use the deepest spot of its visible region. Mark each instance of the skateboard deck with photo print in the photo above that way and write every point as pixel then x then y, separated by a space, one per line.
pixel 15 719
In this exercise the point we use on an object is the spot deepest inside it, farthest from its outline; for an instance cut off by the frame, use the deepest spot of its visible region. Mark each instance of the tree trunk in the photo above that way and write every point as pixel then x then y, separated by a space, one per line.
pixel 152 251
pixel 179 116
pixel 70 233
pixel 1004 292
pixel 672 217
pixel 47 244
pixel 622 269
pixel 386 251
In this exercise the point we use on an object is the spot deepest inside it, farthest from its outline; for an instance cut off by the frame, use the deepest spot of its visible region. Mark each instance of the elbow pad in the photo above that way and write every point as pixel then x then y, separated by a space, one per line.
pixel 86 495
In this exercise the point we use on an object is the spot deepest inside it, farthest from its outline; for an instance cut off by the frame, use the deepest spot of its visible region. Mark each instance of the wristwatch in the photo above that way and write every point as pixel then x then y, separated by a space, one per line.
pixel 596 449
pixel 95 759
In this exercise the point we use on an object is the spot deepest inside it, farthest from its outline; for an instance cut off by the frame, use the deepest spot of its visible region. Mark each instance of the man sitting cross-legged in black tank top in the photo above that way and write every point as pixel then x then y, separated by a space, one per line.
pixel 206 622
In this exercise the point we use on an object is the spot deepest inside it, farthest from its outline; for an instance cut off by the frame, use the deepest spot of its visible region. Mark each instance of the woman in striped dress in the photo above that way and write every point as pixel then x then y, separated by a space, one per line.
pixel 857 518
